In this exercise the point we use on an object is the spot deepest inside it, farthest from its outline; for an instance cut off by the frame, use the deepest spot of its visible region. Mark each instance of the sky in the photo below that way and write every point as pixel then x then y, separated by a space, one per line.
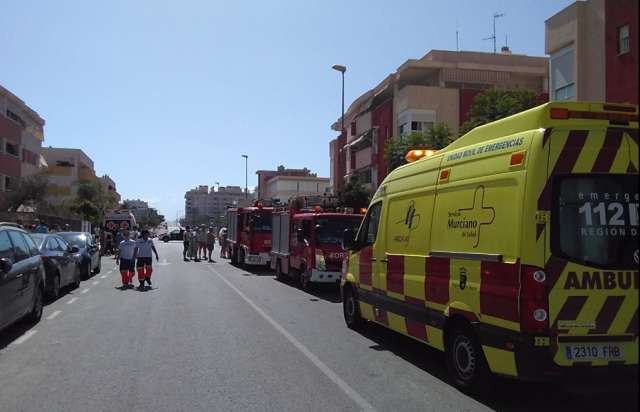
pixel 165 96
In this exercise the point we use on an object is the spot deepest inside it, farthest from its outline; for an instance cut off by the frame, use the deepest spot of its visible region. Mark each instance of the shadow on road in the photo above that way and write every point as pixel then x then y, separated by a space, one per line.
pixel 510 394
pixel 13 332
pixel 325 291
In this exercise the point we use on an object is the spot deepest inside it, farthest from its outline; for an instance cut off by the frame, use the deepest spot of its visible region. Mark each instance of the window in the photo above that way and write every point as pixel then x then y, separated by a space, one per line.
pixel 12 149
pixel 353 128
pixel 420 126
pixel 306 230
pixel 369 230
pixel 623 35
pixel 63 245
pixel 53 245
pixel 374 141
pixel 6 250
pixel 562 74
pixel 402 129
pixel 374 177
pixel 20 248
pixel 7 183
pixel 33 249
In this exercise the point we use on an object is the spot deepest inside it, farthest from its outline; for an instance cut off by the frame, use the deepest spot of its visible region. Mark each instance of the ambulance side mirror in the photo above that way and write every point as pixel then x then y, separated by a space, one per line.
pixel 349 239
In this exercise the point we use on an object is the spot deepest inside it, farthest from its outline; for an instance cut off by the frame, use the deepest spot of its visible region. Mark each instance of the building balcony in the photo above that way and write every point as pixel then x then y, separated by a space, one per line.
pixel 363 158
pixel 60 190
pixel 60 170
pixel 87 175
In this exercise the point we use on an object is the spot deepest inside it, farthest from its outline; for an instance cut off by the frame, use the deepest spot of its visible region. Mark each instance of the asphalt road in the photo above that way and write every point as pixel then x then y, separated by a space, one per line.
pixel 213 337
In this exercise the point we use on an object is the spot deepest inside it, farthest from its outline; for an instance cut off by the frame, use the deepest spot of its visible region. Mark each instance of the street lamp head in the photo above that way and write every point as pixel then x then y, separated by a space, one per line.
pixel 245 156
pixel 339 68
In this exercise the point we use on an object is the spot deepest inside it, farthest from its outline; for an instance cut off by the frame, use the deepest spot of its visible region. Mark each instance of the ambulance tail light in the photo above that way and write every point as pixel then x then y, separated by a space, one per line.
pixel 321 263
pixel 534 303
pixel 414 155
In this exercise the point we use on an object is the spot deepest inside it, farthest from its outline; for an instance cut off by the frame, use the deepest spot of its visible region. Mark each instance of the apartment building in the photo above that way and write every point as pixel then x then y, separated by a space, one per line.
pixel 439 87
pixel 69 167
pixel 593 49
pixel 21 137
pixel 138 207
pixel 202 204
pixel 284 183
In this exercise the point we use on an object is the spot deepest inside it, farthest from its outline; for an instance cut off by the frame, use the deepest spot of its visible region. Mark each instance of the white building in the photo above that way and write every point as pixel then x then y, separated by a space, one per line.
pixel 203 205
pixel 286 187
pixel 138 207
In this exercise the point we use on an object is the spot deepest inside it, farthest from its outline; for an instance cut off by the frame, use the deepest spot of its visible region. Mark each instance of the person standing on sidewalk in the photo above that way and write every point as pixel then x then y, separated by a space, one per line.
pixel 185 243
pixel 144 247
pixel 211 241
pixel 126 260
pixel 223 243
pixel 202 242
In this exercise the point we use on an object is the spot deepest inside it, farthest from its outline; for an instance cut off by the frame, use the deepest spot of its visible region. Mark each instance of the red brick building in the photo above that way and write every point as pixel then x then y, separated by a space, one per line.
pixel 621 50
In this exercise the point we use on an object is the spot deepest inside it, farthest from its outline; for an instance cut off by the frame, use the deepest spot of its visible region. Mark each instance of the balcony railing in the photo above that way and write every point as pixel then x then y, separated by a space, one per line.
pixel 363 158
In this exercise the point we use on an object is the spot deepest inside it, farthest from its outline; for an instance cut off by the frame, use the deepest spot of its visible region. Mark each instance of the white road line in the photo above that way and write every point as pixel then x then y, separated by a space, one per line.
pixel 85 291
pixel 95 283
pixel 111 271
pixel 72 300
pixel 366 406
pixel 54 314
pixel 22 339
pixel 102 277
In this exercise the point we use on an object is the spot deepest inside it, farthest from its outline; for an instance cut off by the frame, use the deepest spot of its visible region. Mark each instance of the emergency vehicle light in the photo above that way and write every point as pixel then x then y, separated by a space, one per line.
pixel 517 158
pixel 318 208
pixel 414 155
pixel 259 204
pixel 559 113
pixel 363 210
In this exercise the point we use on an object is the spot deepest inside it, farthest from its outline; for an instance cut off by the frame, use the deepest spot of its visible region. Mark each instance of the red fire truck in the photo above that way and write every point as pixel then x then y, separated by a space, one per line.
pixel 249 233
pixel 307 240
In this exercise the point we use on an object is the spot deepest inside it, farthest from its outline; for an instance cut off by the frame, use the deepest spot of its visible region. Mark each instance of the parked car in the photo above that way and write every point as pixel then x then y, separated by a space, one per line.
pixel 87 248
pixel 61 266
pixel 173 235
pixel 21 277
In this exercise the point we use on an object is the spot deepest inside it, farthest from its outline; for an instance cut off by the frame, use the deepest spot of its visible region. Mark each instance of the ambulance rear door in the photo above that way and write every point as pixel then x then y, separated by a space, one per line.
pixel 591 248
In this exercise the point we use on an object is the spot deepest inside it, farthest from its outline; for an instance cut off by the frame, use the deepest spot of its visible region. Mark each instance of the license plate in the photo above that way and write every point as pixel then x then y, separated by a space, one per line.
pixel 254 259
pixel 583 352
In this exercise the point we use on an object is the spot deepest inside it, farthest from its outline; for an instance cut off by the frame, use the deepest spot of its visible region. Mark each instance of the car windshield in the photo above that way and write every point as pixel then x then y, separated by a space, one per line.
pixel 261 222
pixel 333 227
pixel 37 240
pixel 79 241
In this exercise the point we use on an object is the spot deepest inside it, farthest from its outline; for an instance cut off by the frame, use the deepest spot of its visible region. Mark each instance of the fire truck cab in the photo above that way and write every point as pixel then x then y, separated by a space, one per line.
pixel 307 239
pixel 249 233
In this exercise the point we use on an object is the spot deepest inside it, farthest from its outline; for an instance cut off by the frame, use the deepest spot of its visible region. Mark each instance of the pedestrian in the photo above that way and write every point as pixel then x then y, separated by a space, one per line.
pixel 68 229
pixel 211 241
pixel 194 241
pixel 40 227
pixel 126 260
pixel 103 245
pixel 96 231
pixel 144 247
pixel 202 242
pixel 108 245
pixel 117 238
pixel 134 233
pixel 55 228
pixel 19 223
pixel 223 243
pixel 185 243
pixel 32 229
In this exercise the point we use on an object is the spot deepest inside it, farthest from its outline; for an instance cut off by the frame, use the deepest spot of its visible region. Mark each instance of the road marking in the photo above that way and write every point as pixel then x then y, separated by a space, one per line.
pixel 72 300
pixel 366 406
pixel 85 291
pixel 111 271
pixel 95 283
pixel 164 263
pixel 22 339
pixel 54 314
pixel 102 277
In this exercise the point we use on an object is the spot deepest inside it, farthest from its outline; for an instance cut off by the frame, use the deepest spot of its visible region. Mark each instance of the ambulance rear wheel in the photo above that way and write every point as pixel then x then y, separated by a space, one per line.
pixel 350 309
pixel 279 275
pixel 466 361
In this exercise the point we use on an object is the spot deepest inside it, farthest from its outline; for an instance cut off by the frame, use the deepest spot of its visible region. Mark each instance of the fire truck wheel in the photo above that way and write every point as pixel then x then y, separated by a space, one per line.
pixel 466 361
pixel 279 275
pixel 350 309
pixel 306 284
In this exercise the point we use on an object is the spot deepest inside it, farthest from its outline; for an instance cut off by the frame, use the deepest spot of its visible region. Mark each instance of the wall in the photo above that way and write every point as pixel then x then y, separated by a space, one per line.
pixel 382 118
pixel 622 70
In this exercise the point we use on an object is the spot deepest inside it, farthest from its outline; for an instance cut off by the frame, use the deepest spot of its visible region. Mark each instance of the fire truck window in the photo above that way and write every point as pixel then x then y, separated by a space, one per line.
pixel 294 227
pixel 306 229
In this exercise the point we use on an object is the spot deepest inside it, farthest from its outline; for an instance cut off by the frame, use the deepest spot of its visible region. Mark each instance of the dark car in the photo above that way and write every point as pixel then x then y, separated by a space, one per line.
pixel 21 277
pixel 61 267
pixel 173 235
pixel 88 249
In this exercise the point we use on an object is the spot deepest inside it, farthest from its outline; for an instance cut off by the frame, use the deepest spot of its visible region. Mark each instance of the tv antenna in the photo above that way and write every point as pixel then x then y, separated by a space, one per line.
pixel 493 37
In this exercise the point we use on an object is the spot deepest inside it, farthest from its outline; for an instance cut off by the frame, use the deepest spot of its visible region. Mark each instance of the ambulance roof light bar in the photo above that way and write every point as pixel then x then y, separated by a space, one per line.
pixel 565 114
pixel 418 154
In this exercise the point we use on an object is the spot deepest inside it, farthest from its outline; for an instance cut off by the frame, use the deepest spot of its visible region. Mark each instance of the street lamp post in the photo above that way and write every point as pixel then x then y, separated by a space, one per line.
pixel 218 207
pixel 246 176
pixel 341 69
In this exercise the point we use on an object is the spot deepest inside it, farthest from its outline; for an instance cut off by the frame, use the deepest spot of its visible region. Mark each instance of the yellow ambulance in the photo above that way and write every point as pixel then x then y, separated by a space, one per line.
pixel 514 250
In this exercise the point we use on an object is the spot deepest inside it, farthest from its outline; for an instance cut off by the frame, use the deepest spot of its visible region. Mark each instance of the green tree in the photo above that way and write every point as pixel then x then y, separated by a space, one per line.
pixel 496 104
pixel 90 201
pixel 26 190
pixel 125 205
pixel 436 137
pixel 355 195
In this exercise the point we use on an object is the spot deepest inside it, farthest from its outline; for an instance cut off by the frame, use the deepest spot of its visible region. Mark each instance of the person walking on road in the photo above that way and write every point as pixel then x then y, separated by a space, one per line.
pixel 117 238
pixel 126 260
pixel 193 245
pixel 185 243
pixel 202 242
pixel 144 247
pixel 134 233
pixel 40 227
pixel 211 241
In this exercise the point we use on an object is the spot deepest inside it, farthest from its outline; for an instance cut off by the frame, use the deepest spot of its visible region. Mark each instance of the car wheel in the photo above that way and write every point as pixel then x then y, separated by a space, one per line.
pixel 350 309
pixel 305 282
pixel 36 310
pixel 77 277
pixel 165 239
pixel 86 271
pixel 98 268
pixel 466 361
pixel 279 275
pixel 54 293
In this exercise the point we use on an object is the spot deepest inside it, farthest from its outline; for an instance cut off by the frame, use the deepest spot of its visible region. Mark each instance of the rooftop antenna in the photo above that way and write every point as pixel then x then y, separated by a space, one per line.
pixel 457 35
pixel 493 37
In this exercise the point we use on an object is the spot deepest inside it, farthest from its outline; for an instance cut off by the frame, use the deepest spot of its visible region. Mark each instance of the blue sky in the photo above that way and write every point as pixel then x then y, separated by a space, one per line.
pixel 167 95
